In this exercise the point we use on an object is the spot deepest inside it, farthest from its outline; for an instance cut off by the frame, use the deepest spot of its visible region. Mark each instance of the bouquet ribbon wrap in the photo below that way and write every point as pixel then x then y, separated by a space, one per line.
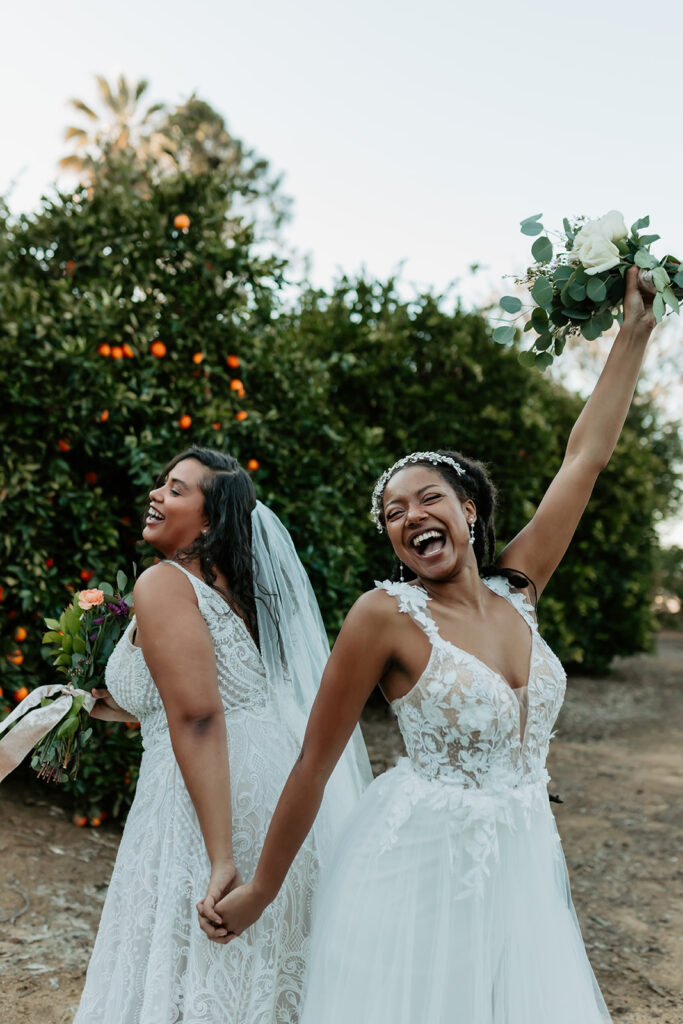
pixel 31 729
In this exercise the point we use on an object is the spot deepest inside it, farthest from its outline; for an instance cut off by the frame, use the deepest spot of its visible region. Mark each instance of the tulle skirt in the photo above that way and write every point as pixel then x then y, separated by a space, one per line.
pixel 446 905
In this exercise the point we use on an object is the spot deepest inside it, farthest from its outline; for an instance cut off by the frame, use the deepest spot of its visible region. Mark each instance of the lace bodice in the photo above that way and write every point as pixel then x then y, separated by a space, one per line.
pixel 241 675
pixel 461 722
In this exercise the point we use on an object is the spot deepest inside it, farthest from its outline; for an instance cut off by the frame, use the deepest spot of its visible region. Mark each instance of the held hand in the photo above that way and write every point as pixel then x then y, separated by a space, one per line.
pixel 238 911
pixel 108 710
pixel 224 878
pixel 640 294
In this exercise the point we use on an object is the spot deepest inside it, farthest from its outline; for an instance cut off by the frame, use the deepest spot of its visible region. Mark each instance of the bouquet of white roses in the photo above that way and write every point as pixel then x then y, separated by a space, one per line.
pixel 577 282
pixel 53 720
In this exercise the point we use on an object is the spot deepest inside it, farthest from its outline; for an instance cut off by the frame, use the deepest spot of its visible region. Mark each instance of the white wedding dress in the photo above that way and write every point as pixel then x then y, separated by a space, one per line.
pixel 151 963
pixel 448 901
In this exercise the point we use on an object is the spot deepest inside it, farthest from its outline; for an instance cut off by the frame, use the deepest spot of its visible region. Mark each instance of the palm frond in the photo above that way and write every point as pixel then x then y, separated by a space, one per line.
pixel 84 109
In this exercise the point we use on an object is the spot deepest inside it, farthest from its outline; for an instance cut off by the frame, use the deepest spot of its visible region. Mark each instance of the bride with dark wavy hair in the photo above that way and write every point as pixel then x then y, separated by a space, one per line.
pixel 448 900
pixel 220 665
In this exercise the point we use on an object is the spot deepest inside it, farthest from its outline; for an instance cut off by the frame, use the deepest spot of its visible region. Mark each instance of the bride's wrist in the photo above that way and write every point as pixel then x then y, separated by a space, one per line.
pixel 263 893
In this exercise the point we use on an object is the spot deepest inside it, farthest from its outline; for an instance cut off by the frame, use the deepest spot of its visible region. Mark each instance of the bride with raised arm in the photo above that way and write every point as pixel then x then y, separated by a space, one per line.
pixel 220 665
pixel 448 899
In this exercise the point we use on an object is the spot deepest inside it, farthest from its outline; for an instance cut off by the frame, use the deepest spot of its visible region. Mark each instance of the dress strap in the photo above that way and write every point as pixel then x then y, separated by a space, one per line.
pixel 206 595
pixel 413 601
pixel 518 599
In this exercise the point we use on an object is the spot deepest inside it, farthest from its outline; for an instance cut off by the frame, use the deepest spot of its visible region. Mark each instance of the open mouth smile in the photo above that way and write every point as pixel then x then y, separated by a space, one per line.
pixel 153 516
pixel 429 543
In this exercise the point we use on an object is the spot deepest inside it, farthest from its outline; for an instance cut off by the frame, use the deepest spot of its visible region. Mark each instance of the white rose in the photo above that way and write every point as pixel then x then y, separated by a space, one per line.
pixel 594 246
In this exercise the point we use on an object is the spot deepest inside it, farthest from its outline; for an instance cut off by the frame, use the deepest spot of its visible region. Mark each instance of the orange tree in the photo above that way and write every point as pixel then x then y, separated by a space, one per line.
pixel 140 314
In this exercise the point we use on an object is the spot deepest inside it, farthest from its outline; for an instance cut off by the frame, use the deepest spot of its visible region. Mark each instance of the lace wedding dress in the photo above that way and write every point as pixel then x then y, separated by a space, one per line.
pixel 448 901
pixel 151 963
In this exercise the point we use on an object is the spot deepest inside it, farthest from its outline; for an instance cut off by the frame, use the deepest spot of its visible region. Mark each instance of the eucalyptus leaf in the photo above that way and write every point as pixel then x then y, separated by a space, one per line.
pixel 543 360
pixel 678 279
pixel 542 291
pixel 527 358
pixel 605 319
pixel 562 274
pixel 503 335
pixel 577 291
pixel 543 342
pixel 531 225
pixel 107 589
pixel 121 581
pixel 575 314
pixel 660 278
pixel 542 249
pixel 644 259
pixel 596 290
pixel 560 342
pixel 644 222
pixel 648 239
pixel 670 296
pixel 568 229
pixel 591 330
pixel 539 320
pixel 658 307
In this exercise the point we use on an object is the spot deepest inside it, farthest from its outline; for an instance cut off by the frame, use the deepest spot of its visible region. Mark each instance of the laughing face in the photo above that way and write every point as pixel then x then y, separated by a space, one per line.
pixel 175 517
pixel 427 523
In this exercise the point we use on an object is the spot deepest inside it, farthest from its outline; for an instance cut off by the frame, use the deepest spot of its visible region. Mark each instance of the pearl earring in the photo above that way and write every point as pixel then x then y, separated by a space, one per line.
pixel 400 577
pixel 471 531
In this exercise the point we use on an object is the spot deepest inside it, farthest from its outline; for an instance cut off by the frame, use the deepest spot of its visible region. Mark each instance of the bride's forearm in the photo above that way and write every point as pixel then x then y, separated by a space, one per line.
pixel 596 432
pixel 294 815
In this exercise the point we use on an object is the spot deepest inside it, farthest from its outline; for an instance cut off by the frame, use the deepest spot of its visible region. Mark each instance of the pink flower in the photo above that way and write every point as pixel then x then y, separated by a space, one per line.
pixel 89 599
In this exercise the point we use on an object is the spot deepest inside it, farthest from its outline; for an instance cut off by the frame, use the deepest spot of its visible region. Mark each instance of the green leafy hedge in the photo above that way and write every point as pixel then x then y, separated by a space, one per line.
pixel 334 387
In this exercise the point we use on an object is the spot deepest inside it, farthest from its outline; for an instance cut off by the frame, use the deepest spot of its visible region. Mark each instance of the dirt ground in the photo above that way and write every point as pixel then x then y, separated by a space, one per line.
pixel 616 764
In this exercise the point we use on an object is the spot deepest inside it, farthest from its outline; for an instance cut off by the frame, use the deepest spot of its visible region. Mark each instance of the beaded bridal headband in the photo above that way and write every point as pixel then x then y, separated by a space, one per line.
pixel 407 460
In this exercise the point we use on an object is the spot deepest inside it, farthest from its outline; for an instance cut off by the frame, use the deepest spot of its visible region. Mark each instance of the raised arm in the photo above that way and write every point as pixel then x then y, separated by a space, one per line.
pixel 179 653
pixel 357 663
pixel 540 546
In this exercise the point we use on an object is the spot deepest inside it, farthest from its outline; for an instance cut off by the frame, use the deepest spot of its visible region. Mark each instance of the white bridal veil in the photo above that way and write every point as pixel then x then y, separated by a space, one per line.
pixel 294 649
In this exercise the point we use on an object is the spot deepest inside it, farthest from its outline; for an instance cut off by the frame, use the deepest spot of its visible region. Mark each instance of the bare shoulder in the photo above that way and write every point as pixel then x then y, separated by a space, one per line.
pixel 163 582
pixel 373 612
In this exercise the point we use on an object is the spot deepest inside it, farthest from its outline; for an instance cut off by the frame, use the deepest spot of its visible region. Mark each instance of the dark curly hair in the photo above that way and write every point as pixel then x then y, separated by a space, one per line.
pixel 475 484
pixel 229 500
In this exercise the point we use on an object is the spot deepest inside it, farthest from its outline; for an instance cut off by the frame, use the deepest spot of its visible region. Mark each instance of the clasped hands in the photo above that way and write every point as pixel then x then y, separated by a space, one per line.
pixel 230 906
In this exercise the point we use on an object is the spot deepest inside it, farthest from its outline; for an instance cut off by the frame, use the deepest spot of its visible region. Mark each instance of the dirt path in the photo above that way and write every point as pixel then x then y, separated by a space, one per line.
pixel 616 763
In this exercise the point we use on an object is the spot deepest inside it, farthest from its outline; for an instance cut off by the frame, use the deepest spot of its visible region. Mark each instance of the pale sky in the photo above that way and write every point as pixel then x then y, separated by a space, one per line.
pixel 408 133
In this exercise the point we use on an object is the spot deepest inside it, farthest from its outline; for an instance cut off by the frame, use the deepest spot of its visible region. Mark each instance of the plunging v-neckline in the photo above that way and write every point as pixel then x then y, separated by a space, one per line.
pixel 475 657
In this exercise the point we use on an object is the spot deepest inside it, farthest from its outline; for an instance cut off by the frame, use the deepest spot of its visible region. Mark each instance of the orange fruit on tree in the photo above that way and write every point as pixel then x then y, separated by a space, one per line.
pixel 117 352
pixel 49 562
pixel 79 820
pixel 233 362
pixel 252 464
pixel 91 478
pixel 64 444
pixel 241 393
pixel 22 692
pixel 236 385
pixel 128 351
pixel 104 415
pixel 86 575
pixel 104 350
pixel 185 422
pixel 95 822
pixel 2 692
pixel 241 415
pixel 20 633
pixel 158 349
pixel 198 357
pixel 216 425
pixel 181 221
